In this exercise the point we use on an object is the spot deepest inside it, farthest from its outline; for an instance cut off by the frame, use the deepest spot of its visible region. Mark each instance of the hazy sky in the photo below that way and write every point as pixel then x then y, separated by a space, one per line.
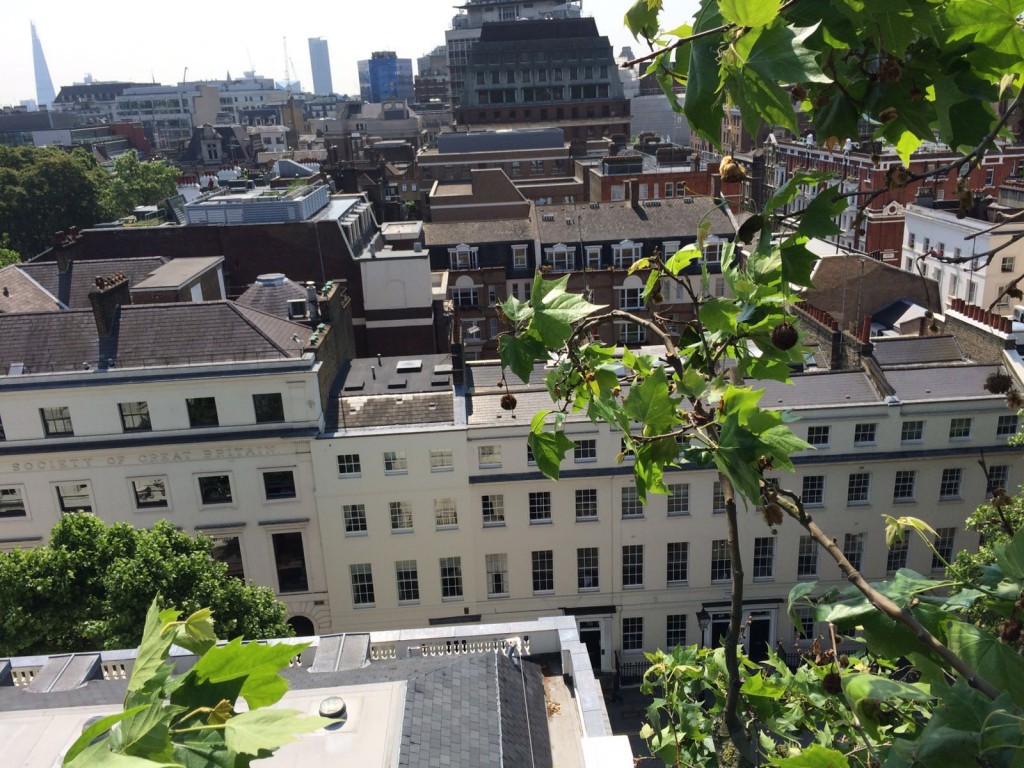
pixel 143 43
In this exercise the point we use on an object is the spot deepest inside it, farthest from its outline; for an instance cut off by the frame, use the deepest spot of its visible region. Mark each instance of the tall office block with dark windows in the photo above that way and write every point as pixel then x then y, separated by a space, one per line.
pixel 385 77
pixel 320 62
pixel 545 72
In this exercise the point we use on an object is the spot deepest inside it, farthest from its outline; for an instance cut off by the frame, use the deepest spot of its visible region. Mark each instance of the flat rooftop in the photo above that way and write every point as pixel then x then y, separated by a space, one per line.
pixel 175 273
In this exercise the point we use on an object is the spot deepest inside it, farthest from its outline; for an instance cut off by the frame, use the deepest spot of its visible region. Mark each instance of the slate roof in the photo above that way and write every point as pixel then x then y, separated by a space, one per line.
pixel 476 232
pixel 19 292
pixel 272 299
pixel 941 383
pixel 910 350
pixel 387 391
pixel 871 285
pixel 72 287
pixel 669 219
pixel 147 335
pixel 819 389
pixel 475 712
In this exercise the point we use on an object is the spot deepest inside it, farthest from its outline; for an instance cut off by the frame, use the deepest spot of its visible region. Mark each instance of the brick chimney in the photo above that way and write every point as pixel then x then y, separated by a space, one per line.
pixel 634 193
pixel 106 297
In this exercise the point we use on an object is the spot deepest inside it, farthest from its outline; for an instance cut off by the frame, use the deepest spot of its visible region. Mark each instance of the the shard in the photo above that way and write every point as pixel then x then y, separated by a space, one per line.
pixel 44 86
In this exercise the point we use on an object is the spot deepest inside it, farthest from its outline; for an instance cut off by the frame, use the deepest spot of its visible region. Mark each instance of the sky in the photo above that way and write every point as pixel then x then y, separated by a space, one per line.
pixel 211 40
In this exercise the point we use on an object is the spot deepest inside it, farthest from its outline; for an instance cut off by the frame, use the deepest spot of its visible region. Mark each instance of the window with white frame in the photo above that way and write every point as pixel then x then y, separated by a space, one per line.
pixel 943 554
pixel 670 247
pixel 631 293
pixel 631 506
pixel 949 485
pixel 858 488
pixel 813 492
pixel 585 450
pixel 679 499
pixel 712 251
pixel 587 568
pixel 818 435
pixel 593 256
pixel 954 284
pixel 135 416
pixel 1007 264
pixel 74 496
pixel 864 434
pixel 540 507
pixel 896 557
pixel 633 633
pixel 441 460
pixel 624 254
pixel 401 516
pixel 912 431
pixel 279 485
pixel 451 578
pixel 149 492
pixel 633 566
pixel 519 257
pixel 214 490
pixel 905 486
pixel 355 519
pixel 12 501
pixel 717 499
pixel 395 463
pixel 960 428
pixel 463 257
pixel 586 504
pixel 362 584
pixel 998 477
pixel 348 465
pixel 764 557
pixel 807 558
pixel 853 549
pixel 57 421
pixel 497 575
pixel 465 293
pixel 560 257
pixel 446 514
pixel 677 562
pixel 630 333
pixel 489 456
pixel 972 291
pixel 1007 425
pixel 543 570
pixel 407 578
pixel 675 623
pixel 721 562
pixel 492 509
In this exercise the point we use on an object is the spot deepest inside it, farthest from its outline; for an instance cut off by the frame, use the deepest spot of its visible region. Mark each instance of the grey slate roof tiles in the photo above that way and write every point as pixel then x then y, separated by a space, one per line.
pixel 272 299
pixel 917 349
pixel 72 287
pixel 19 292
pixel 669 219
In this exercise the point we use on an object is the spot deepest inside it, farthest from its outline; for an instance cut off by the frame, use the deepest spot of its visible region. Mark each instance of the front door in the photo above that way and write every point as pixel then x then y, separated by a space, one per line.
pixel 590 636
pixel 759 635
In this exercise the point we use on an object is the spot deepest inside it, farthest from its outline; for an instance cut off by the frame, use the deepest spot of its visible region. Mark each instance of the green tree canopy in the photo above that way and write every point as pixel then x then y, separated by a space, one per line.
pixel 91 586
pixel 136 183
pixel 46 190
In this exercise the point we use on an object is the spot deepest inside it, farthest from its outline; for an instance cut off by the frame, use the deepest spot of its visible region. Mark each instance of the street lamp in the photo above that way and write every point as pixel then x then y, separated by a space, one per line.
pixel 703 620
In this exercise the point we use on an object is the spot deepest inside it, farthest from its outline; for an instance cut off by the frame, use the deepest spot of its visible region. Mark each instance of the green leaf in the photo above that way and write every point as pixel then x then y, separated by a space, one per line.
pixel 1010 556
pixel 702 103
pixel 814 756
pixel 791 189
pixel 682 258
pixel 548 448
pixel 779 55
pixel 554 310
pixel 196 632
pixel 99 728
pixel 818 219
pixel 144 733
pixel 760 100
pixel 257 665
pixel 515 310
pixel 995 661
pixel 797 262
pixel 99 756
pixel 780 443
pixel 992 24
pixel 749 13
pixel 642 19
pixel 650 404
pixel 518 354
pixel 150 670
pixel 267 729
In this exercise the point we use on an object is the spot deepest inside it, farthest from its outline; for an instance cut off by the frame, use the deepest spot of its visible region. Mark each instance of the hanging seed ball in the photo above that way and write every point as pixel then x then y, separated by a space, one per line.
pixel 998 383
pixel 833 683
pixel 1014 400
pixel 1009 631
pixel 508 401
pixel 784 336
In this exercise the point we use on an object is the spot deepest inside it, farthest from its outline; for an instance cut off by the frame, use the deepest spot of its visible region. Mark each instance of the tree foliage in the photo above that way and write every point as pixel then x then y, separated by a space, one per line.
pixel 47 190
pixel 191 720
pixel 91 586
pixel 901 72
pixel 136 183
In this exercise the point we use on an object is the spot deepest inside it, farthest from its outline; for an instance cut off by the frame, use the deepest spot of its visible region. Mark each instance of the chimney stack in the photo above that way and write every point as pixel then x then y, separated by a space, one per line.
pixel 311 300
pixel 634 193
pixel 106 296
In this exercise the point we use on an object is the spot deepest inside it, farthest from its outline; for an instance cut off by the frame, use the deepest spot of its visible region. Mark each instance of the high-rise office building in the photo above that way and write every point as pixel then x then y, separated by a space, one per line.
pixel 44 86
pixel 320 62
pixel 384 76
